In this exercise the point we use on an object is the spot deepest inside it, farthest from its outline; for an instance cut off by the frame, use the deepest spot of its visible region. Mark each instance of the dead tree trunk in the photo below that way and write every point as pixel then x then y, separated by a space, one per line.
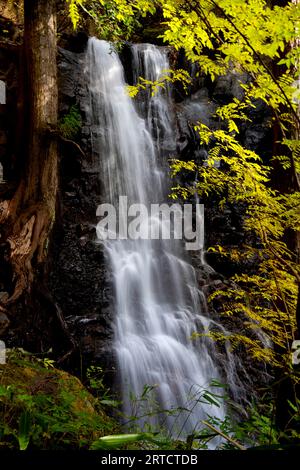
pixel 28 217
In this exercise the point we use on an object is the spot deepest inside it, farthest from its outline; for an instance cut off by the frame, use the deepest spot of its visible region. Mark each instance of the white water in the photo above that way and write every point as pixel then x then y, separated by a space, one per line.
pixel 158 303
pixel 151 63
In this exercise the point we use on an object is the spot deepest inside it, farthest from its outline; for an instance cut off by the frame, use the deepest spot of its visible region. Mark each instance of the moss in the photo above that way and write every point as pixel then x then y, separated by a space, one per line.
pixel 60 412
pixel 69 125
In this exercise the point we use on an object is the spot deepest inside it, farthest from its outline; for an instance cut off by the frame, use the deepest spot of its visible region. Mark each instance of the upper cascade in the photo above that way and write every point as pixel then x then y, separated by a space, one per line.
pixel 158 303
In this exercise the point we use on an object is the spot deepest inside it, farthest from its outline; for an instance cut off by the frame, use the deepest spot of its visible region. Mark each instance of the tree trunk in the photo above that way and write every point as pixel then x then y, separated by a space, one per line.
pixel 28 218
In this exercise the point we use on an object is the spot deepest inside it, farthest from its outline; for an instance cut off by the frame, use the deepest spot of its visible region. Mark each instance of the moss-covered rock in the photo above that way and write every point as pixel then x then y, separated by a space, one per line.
pixel 47 408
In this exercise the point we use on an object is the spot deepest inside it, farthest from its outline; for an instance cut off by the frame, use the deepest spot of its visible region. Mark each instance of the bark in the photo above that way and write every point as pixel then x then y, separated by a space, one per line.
pixel 28 217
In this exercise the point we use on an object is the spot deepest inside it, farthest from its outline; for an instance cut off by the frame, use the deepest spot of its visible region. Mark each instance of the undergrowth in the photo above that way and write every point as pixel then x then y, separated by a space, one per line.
pixel 42 407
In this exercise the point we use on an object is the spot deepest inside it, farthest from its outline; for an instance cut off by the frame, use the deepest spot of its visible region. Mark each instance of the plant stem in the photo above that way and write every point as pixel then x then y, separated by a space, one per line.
pixel 229 439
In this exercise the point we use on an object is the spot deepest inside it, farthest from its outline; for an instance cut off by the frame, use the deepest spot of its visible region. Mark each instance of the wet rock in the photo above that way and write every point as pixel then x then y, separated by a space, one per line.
pixel 80 280
pixel 228 87
pixel 70 67
pixel 257 138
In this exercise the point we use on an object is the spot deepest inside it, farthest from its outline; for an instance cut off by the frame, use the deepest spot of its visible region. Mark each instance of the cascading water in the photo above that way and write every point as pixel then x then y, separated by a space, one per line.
pixel 158 304
pixel 151 63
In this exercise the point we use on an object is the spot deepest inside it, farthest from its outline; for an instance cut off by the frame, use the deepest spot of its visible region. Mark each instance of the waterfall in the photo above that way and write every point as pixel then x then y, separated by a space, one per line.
pixel 151 63
pixel 158 304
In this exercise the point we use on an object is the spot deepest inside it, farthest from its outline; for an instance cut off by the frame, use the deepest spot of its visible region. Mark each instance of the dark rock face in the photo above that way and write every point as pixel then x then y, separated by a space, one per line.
pixel 227 87
pixel 197 107
pixel 80 280
pixel 221 227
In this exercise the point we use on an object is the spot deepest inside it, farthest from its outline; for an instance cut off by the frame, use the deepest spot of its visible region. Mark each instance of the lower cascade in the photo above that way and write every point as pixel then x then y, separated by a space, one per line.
pixel 158 303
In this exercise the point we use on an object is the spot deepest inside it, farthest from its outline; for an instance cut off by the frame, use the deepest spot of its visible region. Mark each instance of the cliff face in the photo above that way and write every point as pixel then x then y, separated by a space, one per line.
pixel 80 281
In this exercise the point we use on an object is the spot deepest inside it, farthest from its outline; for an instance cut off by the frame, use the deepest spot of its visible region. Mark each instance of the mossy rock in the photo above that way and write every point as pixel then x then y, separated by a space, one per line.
pixel 60 411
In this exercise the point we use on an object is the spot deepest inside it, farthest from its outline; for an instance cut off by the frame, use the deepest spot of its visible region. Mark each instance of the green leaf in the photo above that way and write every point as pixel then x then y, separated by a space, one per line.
pixel 209 397
pixel 24 430
pixel 114 442
pixel 113 403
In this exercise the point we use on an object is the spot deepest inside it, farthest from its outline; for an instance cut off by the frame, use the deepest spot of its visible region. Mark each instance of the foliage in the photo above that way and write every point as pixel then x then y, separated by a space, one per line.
pixel 96 383
pixel 167 77
pixel 259 39
pixel 114 21
pixel 251 428
pixel 145 435
pixel 110 25
pixel 74 14
pixel 256 431
pixel 70 124
pixel 252 37
pixel 45 408
pixel 268 297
